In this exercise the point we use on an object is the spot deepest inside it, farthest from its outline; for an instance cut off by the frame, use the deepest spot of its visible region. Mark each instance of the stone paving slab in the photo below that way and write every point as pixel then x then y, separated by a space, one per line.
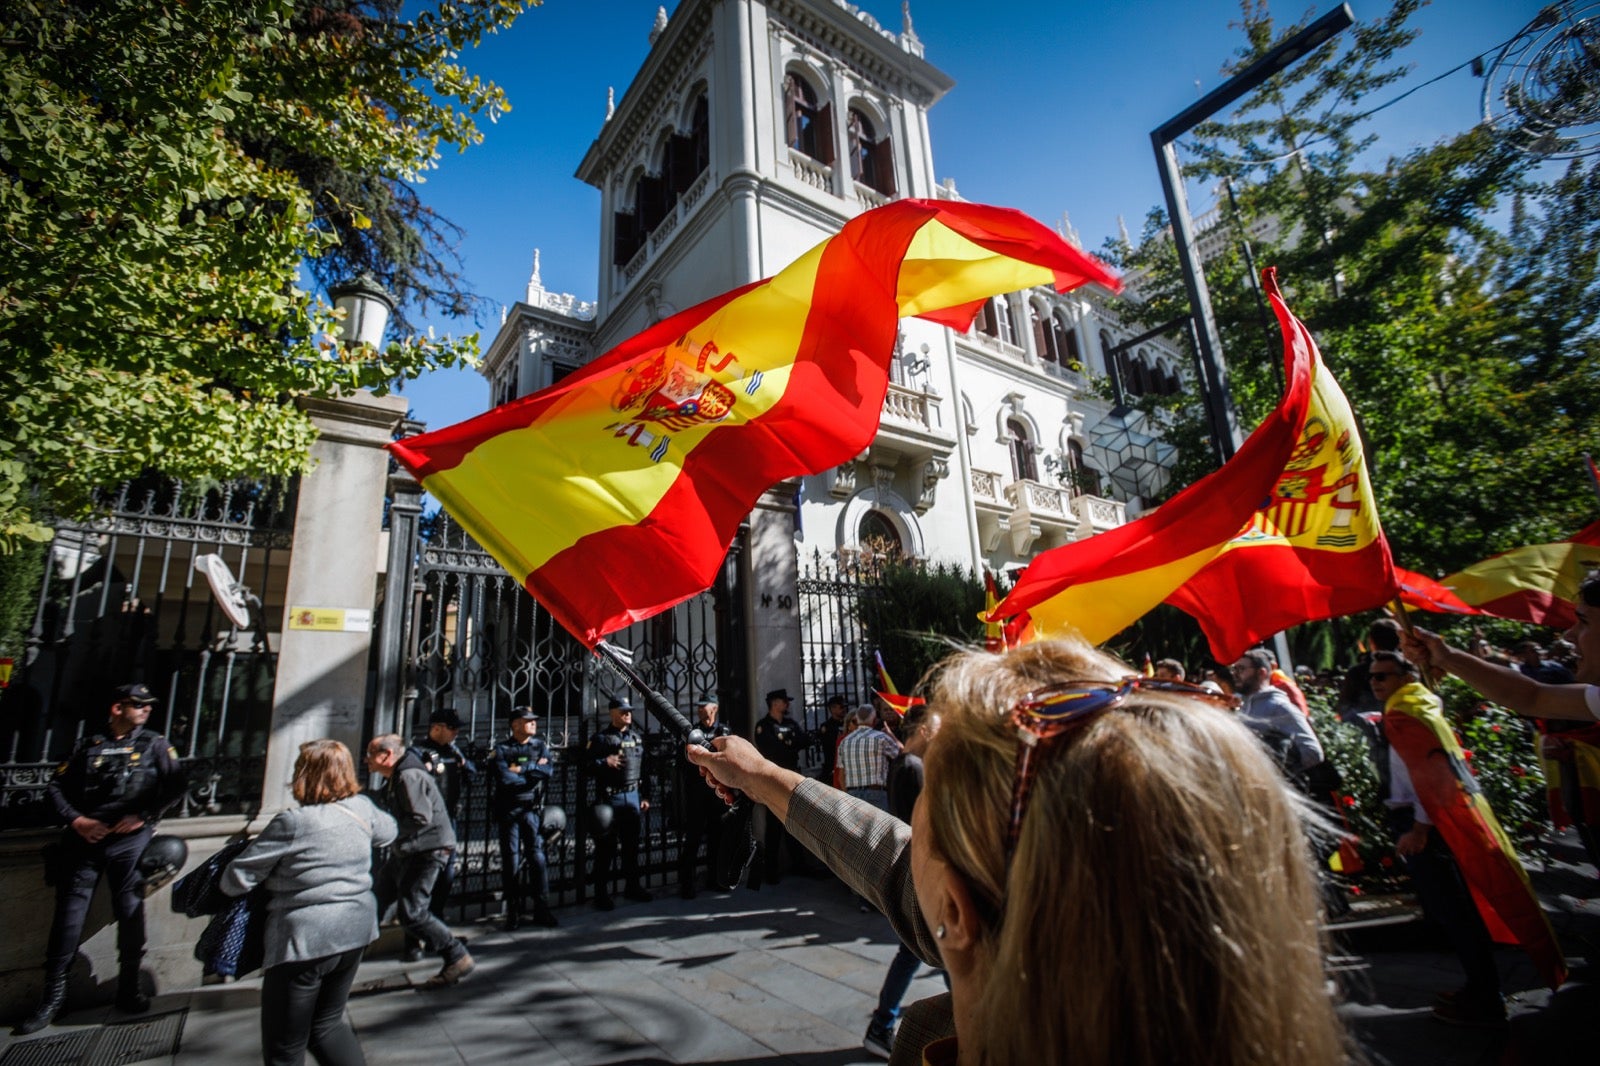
pixel 788 977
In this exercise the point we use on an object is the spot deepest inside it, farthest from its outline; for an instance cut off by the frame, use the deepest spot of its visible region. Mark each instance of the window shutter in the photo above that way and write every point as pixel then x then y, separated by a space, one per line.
pixel 883 166
pixel 624 238
pixel 792 103
pixel 681 168
pixel 1041 343
pixel 825 135
pixel 652 203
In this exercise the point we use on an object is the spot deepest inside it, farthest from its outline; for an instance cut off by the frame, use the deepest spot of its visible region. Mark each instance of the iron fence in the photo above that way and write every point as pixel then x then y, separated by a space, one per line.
pixel 118 600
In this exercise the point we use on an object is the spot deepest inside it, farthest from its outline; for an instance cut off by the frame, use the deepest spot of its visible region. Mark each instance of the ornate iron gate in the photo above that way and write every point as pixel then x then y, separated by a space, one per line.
pixel 838 614
pixel 469 637
pixel 118 600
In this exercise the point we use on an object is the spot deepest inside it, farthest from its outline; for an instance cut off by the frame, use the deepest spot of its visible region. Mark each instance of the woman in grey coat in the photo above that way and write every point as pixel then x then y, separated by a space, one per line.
pixel 316 862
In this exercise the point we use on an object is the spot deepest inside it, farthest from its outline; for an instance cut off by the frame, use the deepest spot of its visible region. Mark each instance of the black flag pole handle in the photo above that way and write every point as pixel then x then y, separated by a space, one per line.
pixel 738 851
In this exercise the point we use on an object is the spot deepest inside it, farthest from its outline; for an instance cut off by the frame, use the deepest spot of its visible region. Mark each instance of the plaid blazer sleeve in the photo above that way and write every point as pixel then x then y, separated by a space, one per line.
pixel 870 850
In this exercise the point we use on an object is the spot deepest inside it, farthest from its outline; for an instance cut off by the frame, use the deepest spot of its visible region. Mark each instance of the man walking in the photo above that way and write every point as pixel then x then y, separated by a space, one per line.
pixel 615 757
pixel 418 856
pixel 109 793
pixel 452 771
pixel 520 768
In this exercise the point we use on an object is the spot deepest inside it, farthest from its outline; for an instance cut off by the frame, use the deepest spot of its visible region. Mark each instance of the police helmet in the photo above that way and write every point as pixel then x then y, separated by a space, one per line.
pixel 601 817
pixel 160 863
pixel 554 823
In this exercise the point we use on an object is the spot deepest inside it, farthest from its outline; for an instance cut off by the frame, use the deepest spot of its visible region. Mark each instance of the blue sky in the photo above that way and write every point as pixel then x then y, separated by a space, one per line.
pixel 1051 112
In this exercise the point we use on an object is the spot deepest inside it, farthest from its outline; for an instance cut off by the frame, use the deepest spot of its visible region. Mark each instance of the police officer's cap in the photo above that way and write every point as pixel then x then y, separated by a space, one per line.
pixel 779 694
pixel 835 701
pixel 523 713
pixel 620 704
pixel 135 693
pixel 446 716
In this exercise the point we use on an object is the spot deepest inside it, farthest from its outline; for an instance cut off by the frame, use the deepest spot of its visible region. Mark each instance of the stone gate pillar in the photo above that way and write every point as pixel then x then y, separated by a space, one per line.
pixel 773 606
pixel 321 687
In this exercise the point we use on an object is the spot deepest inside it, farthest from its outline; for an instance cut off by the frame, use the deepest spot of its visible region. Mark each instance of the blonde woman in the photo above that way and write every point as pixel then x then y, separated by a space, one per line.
pixel 1108 866
pixel 316 862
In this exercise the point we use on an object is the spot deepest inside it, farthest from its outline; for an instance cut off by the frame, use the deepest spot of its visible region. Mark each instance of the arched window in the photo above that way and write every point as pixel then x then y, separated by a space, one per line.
pixel 879 535
pixel 808 128
pixel 1085 479
pixel 1022 462
pixel 688 154
pixel 871 156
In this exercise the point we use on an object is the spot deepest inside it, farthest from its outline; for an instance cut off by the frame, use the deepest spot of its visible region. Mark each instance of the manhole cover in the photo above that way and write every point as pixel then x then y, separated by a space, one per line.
pixel 109 1045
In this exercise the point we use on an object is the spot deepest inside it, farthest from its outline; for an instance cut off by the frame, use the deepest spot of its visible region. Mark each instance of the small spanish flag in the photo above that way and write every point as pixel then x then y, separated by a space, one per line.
pixel 614 493
pixel 1536 583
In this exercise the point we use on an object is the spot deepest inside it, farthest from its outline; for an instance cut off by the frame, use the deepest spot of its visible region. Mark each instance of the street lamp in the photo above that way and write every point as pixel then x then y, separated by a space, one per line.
pixel 1208 342
pixel 367 306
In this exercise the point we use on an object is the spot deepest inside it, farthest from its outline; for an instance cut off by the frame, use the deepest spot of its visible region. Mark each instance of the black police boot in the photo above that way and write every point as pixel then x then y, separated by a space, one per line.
pixel 542 914
pixel 50 1004
pixel 513 919
pixel 130 997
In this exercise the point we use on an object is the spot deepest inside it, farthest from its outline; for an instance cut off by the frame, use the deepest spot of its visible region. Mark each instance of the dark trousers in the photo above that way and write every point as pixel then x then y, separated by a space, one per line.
pixel 1447 902
pixel 626 822
pixel 704 823
pixel 302 1009
pixel 407 881
pixel 521 842
pixel 776 838
pixel 81 866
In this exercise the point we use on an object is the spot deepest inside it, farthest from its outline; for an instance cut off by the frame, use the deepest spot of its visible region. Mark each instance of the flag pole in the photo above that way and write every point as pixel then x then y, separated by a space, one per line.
pixel 1405 623
pixel 739 844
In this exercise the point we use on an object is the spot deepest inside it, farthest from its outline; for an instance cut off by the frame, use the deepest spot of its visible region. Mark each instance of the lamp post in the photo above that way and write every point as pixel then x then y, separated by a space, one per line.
pixel 1220 414
pixel 367 306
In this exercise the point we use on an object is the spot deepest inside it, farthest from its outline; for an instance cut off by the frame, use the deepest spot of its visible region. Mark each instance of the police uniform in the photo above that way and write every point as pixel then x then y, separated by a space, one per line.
pixel 702 820
pixel 619 787
pixel 780 740
pixel 108 778
pixel 520 771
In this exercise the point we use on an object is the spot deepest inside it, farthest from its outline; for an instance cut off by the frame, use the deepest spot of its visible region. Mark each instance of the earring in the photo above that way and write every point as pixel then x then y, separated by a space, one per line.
pixel 938 934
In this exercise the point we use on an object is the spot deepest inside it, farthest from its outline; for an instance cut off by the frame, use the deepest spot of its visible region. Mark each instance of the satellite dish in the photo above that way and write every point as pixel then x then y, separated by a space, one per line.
pixel 234 599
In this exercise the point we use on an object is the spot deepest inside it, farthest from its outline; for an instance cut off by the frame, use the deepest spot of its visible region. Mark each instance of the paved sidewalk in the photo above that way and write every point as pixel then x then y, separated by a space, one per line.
pixel 789 975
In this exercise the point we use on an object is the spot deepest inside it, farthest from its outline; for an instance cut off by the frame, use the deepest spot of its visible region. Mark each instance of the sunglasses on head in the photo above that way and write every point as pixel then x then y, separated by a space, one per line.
pixel 1046 714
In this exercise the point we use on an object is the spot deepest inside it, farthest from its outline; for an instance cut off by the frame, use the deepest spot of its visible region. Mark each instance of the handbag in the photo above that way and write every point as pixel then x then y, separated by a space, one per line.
pixel 234 941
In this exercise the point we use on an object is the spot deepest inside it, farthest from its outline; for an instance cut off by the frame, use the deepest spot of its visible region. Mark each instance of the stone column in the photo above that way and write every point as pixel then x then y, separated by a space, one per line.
pixel 405 514
pixel 773 609
pixel 322 672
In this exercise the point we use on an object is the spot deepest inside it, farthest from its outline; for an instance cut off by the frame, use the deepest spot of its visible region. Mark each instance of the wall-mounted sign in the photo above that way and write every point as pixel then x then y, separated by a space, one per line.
pixel 331 619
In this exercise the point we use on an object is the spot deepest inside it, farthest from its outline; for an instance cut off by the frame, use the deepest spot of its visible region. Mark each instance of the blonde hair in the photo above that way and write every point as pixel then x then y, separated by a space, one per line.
pixel 324 773
pixel 1161 906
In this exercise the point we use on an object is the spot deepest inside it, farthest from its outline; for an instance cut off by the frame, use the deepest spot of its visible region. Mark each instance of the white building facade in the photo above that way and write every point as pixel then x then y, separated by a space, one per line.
pixel 752 132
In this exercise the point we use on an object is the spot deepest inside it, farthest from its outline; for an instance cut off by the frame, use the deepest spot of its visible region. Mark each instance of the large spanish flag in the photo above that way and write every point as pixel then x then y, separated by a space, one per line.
pixel 614 494
pixel 1535 584
pixel 1285 532
pixel 1413 722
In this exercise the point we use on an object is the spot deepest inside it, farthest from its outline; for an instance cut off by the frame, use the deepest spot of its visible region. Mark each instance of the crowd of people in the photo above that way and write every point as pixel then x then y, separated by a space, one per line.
pixel 1049 827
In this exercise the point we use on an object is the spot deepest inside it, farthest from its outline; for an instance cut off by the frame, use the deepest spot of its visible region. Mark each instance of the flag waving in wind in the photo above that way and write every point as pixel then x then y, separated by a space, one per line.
pixel 1536 583
pixel 614 494
pixel 1285 532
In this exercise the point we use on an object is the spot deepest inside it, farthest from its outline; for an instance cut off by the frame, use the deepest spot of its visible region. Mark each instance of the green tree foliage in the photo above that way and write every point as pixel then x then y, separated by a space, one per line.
pixel 1467 347
pixel 918 612
pixel 166 174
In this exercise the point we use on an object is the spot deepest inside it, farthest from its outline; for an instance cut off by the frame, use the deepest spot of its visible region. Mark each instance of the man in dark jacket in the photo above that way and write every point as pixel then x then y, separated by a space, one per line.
pixel 615 759
pixel 702 810
pixel 420 854
pixel 109 794
pixel 452 771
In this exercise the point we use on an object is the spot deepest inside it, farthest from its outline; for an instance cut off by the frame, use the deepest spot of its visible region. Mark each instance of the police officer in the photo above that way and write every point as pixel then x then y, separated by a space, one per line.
pixel 520 766
pixel 110 792
pixel 781 740
pixel 702 809
pixel 615 757
pixel 452 771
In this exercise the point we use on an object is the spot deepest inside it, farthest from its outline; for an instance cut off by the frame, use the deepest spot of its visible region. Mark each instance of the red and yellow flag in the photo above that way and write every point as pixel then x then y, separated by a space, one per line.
pixel 888 693
pixel 1535 584
pixel 614 494
pixel 1286 532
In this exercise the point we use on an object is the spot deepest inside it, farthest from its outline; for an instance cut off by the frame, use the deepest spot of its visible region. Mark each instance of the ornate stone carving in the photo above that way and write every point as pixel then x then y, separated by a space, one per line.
pixel 933 470
pixel 843 482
